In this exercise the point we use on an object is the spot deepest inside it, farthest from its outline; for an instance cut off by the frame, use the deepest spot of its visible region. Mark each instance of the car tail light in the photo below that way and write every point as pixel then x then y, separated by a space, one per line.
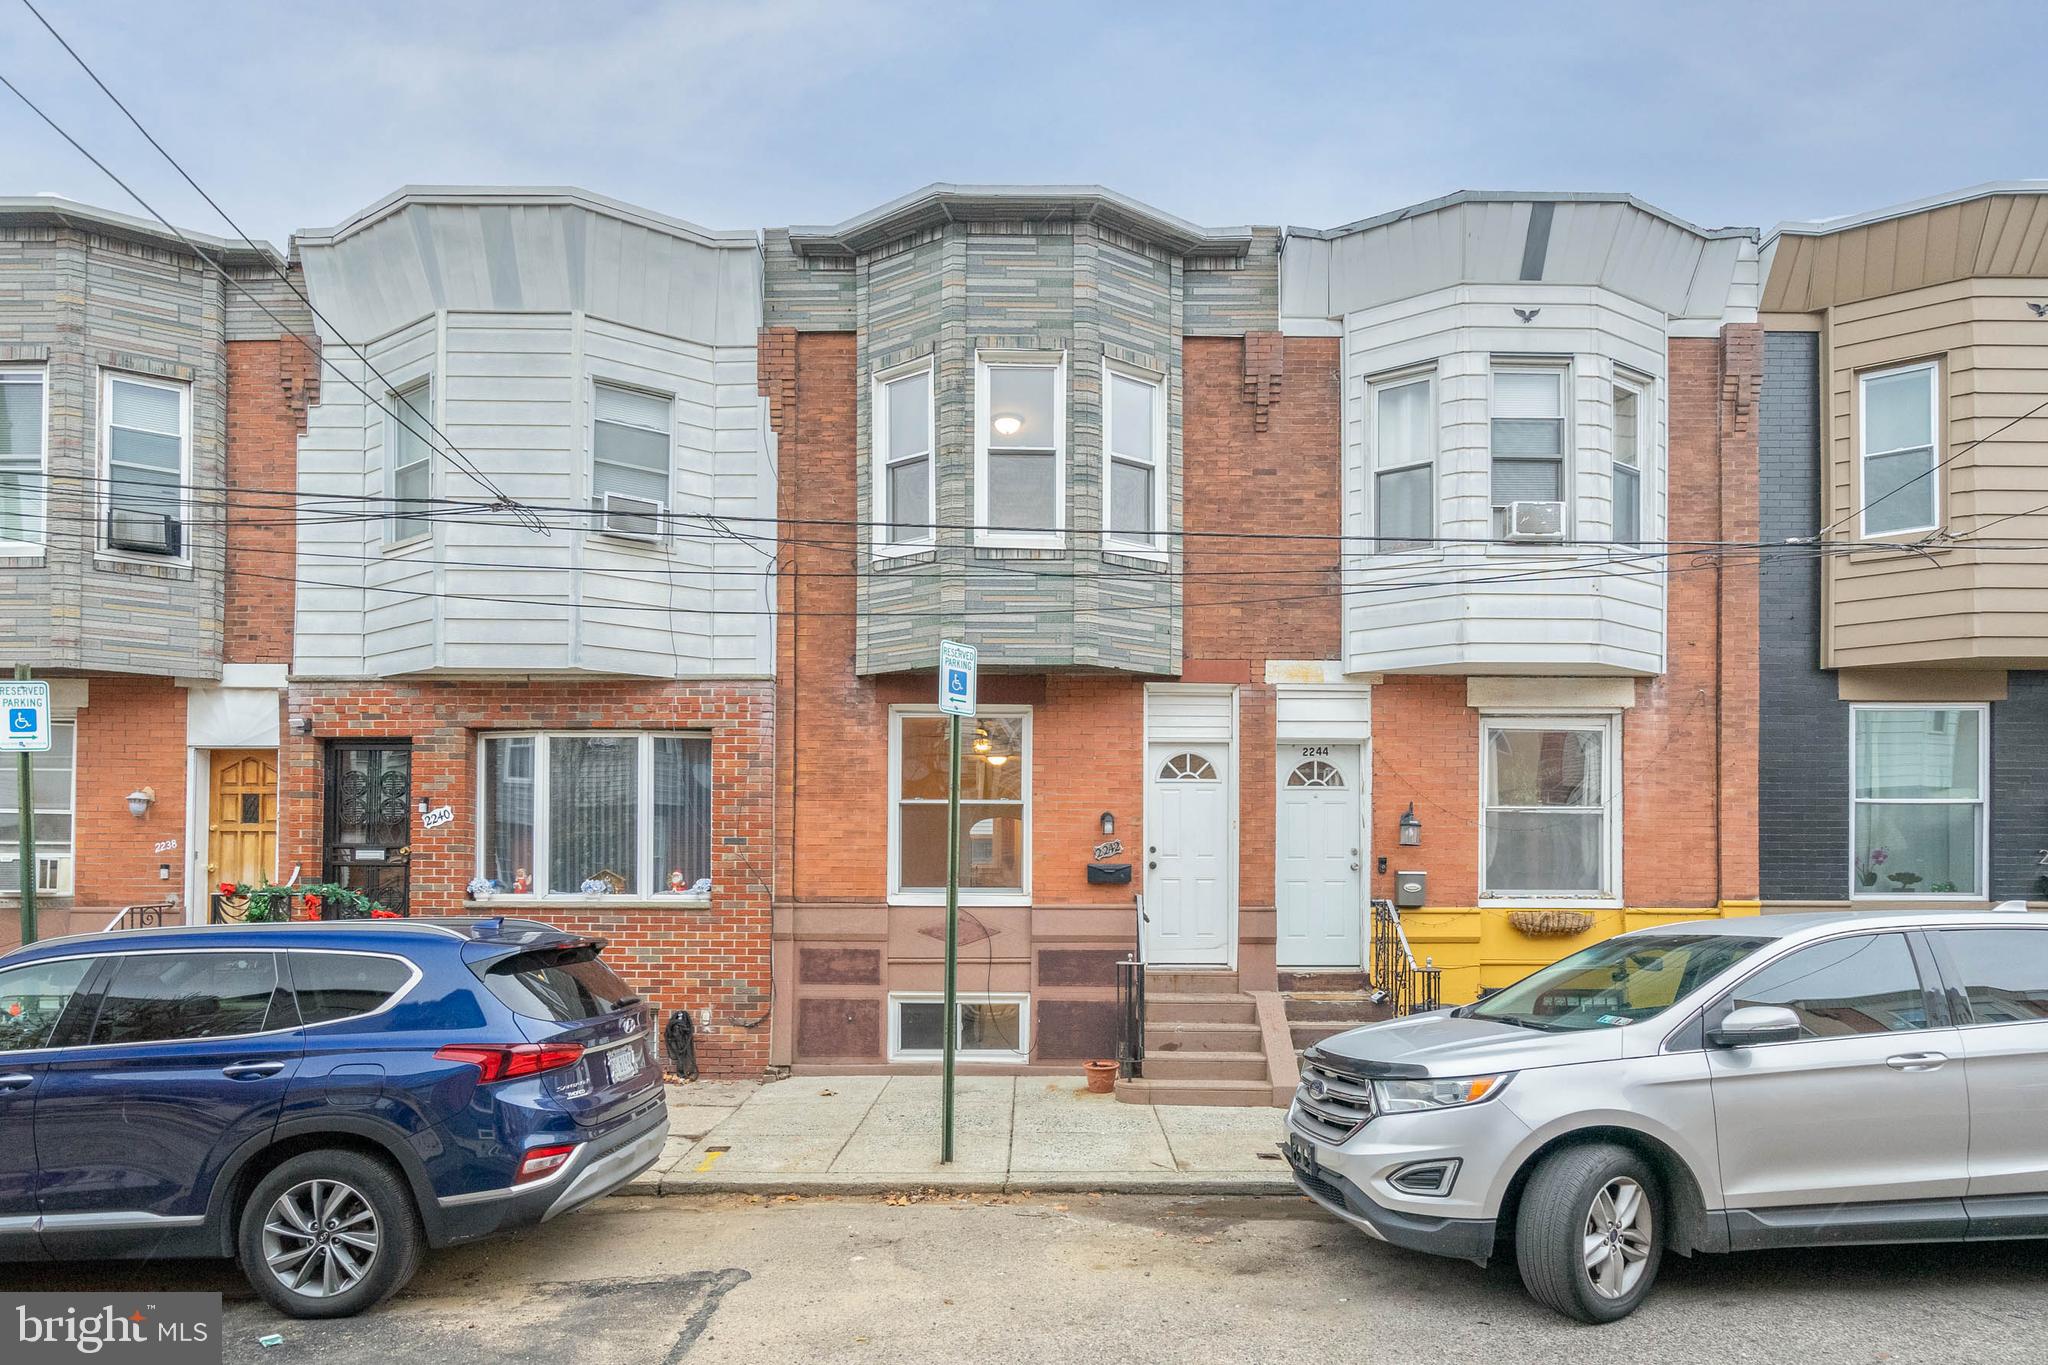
pixel 509 1061
pixel 543 1161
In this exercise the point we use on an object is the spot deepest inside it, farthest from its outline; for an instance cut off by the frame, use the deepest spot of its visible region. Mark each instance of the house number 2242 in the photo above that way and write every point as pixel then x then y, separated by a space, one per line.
pixel 1315 751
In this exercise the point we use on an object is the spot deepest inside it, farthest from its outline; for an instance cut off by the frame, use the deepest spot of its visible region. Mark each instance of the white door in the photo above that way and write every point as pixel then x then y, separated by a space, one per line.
pixel 1187 856
pixel 1319 857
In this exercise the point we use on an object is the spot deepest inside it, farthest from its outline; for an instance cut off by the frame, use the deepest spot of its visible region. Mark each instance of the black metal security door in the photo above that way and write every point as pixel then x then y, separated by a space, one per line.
pixel 369 820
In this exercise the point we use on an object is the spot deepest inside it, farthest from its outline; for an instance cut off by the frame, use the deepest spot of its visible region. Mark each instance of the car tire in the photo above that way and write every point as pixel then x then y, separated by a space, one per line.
pixel 328 1234
pixel 1589 1235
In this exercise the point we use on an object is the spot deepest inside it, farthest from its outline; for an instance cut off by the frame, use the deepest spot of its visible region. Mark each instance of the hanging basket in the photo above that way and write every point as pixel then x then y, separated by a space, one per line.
pixel 1551 923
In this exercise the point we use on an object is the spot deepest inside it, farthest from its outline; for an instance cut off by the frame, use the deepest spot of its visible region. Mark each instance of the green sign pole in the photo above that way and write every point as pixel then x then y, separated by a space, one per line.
pixel 25 793
pixel 952 942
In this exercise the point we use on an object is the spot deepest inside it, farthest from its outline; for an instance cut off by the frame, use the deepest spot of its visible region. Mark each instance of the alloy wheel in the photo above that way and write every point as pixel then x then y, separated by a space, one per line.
pixel 1618 1237
pixel 320 1238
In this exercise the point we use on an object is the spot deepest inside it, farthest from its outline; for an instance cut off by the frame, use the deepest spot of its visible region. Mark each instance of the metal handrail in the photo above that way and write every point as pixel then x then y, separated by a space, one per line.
pixel 1130 999
pixel 1397 979
pixel 150 916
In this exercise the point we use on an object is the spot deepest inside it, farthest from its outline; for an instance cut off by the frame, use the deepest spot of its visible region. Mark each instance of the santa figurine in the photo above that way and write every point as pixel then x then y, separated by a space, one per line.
pixel 676 884
pixel 522 882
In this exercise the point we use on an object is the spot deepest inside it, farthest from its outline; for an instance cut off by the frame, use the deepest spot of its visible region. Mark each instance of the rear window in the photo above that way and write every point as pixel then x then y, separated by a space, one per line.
pixel 2005 972
pixel 162 997
pixel 562 984
pixel 341 985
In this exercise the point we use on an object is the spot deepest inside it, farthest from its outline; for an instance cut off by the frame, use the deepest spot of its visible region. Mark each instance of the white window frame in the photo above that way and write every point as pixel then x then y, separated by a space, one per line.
pixel 1983 888
pixel 36 507
pixel 653 885
pixel 393 401
pixel 1375 385
pixel 880 513
pixel 1645 396
pixel 1053 539
pixel 1567 389
pixel 596 500
pixel 67 861
pixel 968 895
pixel 1608 725
pixel 898 1053
pixel 105 501
pixel 1932 368
pixel 1153 546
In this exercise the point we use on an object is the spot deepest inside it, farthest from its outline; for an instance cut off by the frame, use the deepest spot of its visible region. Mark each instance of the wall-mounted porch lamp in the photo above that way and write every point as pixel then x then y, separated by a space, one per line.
pixel 1411 828
pixel 140 800
pixel 1108 823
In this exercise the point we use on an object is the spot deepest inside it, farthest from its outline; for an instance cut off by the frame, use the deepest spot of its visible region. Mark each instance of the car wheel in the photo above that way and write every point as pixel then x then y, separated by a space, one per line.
pixel 1589 1235
pixel 328 1234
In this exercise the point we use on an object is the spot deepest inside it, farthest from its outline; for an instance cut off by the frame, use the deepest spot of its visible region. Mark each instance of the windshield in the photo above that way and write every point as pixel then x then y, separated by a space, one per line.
pixel 1616 982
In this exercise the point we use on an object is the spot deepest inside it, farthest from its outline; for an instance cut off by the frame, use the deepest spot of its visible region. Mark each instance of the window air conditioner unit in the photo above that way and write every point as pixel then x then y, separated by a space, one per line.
pixel 633 518
pixel 1535 521
pixel 146 533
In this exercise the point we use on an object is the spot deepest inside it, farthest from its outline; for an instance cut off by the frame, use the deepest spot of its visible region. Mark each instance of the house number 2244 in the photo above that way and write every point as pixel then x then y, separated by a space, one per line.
pixel 1315 751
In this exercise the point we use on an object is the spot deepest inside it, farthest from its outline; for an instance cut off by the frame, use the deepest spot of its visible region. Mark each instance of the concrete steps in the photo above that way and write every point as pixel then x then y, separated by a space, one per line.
pixel 1203 1043
pixel 1206 1066
pixel 1154 1090
pixel 1172 1008
pixel 1314 1016
pixel 1183 1036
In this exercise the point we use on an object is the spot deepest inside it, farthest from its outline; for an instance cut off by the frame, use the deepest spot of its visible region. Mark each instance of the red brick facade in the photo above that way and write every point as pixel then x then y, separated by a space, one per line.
pixel 131 735
pixel 270 384
pixel 711 960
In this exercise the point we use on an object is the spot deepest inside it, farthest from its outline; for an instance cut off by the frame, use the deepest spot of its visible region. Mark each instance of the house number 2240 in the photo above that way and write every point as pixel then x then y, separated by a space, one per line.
pixel 1315 751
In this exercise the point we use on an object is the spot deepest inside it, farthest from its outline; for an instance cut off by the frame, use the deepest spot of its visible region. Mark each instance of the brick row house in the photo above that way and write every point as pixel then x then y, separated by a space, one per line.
pixel 150 404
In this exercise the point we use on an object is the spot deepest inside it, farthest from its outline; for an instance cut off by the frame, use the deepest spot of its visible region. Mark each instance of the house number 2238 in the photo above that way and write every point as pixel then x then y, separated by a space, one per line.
pixel 1315 751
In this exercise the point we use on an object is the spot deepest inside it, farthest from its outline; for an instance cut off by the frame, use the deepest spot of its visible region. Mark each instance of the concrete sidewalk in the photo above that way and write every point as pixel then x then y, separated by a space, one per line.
pixel 875 1134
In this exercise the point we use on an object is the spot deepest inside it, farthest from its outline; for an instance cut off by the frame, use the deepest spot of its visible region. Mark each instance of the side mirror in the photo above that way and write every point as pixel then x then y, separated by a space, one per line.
pixel 1753 1024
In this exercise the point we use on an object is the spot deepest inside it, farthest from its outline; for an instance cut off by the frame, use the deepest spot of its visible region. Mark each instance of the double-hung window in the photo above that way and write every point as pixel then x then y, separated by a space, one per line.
pixel 408 460
pixel 905 512
pixel 1899 469
pixel 995 803
pixel 1630 411
pixel 1550 816
pixel 988 1028
pixel 145 431
pixel 22 446
pixel 1403 461
pixel 1134 447
pixel 600 812
pixel 1528 433
pixel 53 798
pixel 1020 451
pixel 1918 776
pixel 629 459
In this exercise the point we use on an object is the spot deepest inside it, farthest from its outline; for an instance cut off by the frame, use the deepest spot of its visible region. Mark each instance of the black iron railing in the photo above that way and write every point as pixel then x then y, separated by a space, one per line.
pixel 1130 1007
pixel 1396 978
pixel 226 909
pixel 152 916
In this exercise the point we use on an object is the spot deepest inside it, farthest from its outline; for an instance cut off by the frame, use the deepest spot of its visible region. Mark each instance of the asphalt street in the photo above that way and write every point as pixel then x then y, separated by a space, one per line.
pixel 742 1280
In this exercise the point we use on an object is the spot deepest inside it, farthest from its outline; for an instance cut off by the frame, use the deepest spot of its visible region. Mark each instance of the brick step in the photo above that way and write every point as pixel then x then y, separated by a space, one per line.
pixel 1148 1090
pixel 1354 1007
pixel 1199 1037
pixel 1190 983
pixel 1306 1035
pixel 1323 980
pixel 1205 1066
pixel 1174 1008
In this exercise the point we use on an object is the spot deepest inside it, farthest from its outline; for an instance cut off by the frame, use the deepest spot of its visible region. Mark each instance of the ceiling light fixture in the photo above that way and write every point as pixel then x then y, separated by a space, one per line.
pixel 1007 425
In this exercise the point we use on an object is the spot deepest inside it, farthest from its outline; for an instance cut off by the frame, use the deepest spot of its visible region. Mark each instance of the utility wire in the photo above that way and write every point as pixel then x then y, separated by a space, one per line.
pixel 1854 514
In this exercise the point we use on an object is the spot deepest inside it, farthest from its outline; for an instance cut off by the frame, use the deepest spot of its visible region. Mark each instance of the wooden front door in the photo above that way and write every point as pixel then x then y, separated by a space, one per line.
pixel 241 831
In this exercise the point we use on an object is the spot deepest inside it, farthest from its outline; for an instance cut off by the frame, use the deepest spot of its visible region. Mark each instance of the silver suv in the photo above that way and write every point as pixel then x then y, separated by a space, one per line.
pixel 1720 1085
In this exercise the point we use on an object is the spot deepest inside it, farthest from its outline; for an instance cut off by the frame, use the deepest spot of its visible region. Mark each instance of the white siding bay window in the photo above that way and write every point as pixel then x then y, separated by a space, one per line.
pixel 596 813
pixel 629 460
pixel 145 432
pixel 408 461
pixel 23 443
pixel 1550 818
pixel 1528 432
pixel 995 805
pixel 1134 461
pixel 1020 451
pixel 1920 816
pixel 905 512
pixel 1403 461
pixel 1631 410
pixel 1899 475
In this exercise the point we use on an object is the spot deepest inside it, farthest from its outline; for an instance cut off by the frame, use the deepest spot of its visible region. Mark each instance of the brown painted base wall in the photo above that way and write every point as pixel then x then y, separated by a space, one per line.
pixel 711 960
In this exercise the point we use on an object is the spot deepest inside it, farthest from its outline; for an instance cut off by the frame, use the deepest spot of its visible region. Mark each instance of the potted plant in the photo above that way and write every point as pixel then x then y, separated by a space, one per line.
pixel 1904 881
pixel 1867 867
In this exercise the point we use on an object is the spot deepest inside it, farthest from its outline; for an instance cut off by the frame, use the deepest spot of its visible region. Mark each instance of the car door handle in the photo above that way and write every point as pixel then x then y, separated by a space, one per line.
pixel 17 1081
pixel 251 1071
pixel 1916 1061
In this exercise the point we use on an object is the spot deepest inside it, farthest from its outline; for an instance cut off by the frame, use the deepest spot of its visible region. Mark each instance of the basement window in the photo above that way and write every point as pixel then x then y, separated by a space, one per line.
pixel 992 1028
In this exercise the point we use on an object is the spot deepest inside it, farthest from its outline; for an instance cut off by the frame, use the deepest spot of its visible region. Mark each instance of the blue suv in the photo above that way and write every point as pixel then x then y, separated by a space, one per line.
pixel 320 1101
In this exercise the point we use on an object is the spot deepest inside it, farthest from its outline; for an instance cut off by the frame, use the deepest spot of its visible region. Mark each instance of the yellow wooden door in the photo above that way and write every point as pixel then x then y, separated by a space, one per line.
pixel 241 836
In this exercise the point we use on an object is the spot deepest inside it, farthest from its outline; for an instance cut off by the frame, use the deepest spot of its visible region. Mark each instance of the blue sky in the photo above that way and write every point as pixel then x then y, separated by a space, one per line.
pixel 741 115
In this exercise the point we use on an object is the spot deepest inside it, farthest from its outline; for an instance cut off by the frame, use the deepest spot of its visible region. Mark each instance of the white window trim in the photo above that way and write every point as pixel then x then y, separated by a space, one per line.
pixel 105 501
pixel 389 458
pixel 1155 546
pixel 646 875
pixel 1566 370
pixel 664 544
pixel 968 895
pixel 1394 379
pixel 1983 889
pixel 67 861
pixel 880 514
pixel 1645 391
pixel 1864 452
pixel 898 1053
pixel 1608 723
pixel 41 497
pixel 1043 540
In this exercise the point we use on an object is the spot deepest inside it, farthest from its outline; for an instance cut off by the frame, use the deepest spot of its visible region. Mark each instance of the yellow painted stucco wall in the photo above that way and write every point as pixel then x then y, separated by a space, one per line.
pixel 1478 949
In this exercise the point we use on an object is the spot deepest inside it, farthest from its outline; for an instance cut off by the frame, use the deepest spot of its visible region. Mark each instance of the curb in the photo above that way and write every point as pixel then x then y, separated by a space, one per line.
pixel 670 1186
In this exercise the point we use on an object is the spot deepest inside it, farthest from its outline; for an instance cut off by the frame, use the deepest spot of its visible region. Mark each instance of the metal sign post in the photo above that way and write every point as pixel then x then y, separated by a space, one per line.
pixel 25 706
pixel 957 668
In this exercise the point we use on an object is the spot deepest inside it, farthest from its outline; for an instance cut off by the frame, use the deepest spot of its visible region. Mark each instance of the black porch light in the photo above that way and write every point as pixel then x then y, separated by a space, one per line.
pixel 1411 827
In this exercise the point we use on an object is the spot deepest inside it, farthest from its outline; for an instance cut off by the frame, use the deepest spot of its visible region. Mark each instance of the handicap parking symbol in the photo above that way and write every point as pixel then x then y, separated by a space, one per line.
pixel 956 682
pixel 21 720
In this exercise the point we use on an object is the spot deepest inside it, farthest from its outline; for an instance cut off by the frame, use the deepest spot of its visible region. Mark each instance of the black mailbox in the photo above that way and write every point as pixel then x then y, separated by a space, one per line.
pixel 1109 874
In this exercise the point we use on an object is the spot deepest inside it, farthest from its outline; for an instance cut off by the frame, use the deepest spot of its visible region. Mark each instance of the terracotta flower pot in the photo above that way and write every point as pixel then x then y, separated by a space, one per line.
pixel 1101 1077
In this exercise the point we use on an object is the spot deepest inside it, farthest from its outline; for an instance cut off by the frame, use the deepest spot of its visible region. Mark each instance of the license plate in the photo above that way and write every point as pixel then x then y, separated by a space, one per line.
pixel 623 1063
pixel 1301 1154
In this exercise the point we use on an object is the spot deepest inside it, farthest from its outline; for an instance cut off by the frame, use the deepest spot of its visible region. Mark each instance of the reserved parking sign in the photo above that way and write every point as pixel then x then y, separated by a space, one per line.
pixel 25 707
